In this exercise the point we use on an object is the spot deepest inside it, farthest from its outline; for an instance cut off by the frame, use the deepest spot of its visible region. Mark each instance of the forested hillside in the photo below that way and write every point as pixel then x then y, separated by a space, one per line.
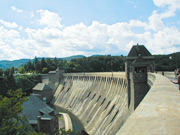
pixel 167 62
pixel 24 82
pixel 4 64
pixel 99 64
pixel 85 64
pixel 95 63
pixel 15 63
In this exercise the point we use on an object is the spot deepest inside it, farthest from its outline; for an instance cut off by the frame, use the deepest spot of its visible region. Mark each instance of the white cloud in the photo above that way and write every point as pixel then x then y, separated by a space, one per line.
pixel 156 22
pixel 49 19
pixel 8 24
pixel 32 15
pixel 173 4
pixel 163 41
pixel 9 53
pixel 54 39
pixel 16 9
pixel 8 35
pixel 86 40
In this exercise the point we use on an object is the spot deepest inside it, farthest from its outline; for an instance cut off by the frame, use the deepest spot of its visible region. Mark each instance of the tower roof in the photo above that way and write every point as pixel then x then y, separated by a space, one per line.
pixel 138 50
pixel 138 60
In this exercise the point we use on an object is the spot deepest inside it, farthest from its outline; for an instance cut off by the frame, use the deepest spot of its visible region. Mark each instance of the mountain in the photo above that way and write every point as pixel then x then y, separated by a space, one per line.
pixel 17 63
pixel 73 57
pixel 96 55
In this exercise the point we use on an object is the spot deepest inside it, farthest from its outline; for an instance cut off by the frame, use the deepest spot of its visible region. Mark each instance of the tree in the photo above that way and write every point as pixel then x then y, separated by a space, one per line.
pixel 49 64
pixel 11 120
pixel 12 70
pixel 25 68
pixel 29 66
pixel 9 72
pixel 36 64
pixel 26 83
pixel 35 133
pixel 43 63
pixel 61 63
pixel 45 70
pixel 1 72
pixel 55 63
pixel 21 70
pixel 38 67
pixel 62 131
pixel 72 67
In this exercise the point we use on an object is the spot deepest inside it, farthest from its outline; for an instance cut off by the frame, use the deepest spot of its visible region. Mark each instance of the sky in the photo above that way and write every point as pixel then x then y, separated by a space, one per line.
pixel 62 28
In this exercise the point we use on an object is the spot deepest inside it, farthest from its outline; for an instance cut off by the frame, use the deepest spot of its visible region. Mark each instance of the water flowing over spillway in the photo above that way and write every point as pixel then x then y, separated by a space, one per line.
pixel 99 102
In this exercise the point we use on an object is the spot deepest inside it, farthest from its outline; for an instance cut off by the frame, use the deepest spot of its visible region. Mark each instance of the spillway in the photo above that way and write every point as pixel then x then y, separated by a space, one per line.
pixel 100 101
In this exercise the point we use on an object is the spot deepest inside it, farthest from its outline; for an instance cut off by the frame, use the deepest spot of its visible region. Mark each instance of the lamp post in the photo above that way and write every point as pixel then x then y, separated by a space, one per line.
pixel 170 57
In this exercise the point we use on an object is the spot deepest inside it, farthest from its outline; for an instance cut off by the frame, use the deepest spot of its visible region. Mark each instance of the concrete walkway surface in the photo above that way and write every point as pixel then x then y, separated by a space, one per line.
pixel 158 113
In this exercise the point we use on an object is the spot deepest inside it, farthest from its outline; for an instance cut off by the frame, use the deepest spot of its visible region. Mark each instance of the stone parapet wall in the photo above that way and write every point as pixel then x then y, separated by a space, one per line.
pixel 158 113
pixel 105 74
pixel 151 79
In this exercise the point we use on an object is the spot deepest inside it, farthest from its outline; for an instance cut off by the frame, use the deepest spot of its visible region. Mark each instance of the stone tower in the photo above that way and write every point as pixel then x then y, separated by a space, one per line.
pixel 138 62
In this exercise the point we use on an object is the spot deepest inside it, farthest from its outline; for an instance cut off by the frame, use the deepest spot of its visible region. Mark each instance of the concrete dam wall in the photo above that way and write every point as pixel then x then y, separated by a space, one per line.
pixel 99 100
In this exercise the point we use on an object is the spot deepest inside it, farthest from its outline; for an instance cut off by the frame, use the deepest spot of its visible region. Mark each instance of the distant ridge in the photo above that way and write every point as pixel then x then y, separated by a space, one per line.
pixel 161 60
pixel 96 55
pixel 17 63
pixel 73 57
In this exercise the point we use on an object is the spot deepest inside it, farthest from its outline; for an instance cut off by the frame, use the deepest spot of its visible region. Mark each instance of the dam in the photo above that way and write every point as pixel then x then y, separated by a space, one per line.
pixel 97 100
pixel 137 101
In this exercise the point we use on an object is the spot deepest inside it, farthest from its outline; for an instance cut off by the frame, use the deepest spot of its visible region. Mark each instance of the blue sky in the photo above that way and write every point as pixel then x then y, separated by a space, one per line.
pixel 61 28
